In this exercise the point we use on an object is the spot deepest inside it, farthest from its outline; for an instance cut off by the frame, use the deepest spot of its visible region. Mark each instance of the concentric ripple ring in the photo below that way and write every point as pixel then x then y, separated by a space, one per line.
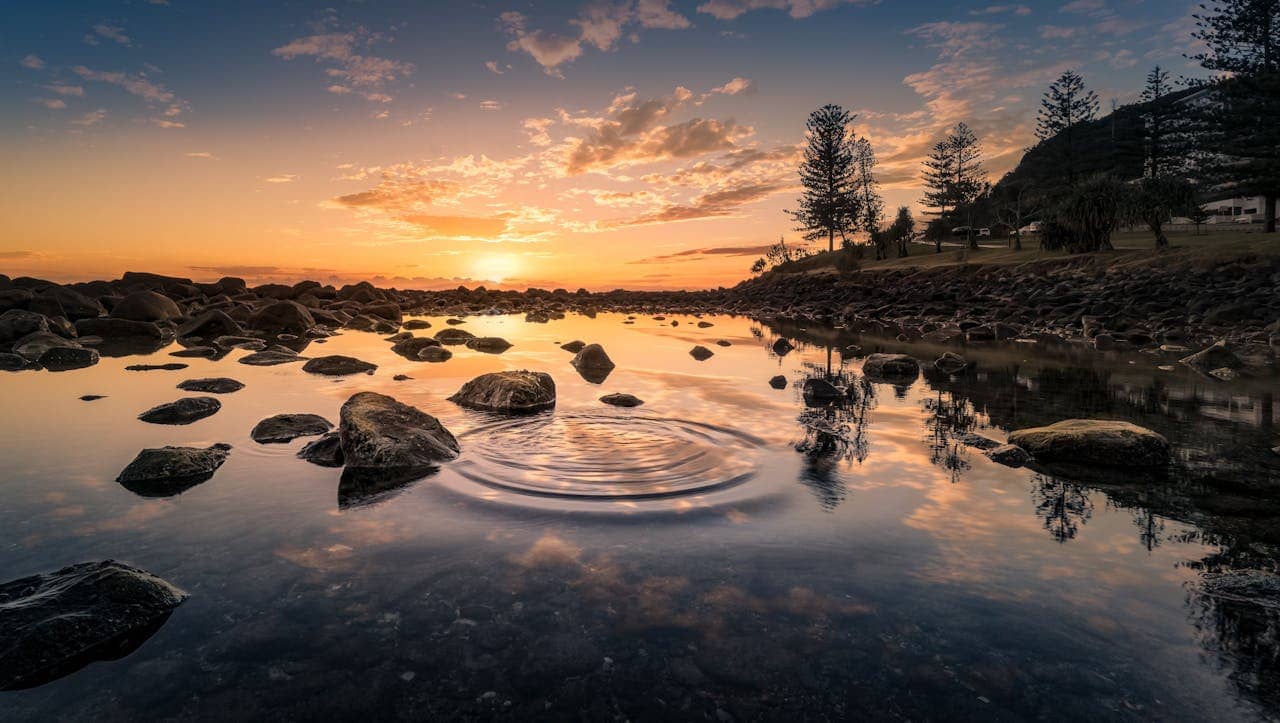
pixel 589 456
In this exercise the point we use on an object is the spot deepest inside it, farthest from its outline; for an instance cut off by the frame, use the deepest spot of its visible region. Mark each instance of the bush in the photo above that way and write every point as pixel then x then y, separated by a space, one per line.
pixel 1088 215
pixel 847 260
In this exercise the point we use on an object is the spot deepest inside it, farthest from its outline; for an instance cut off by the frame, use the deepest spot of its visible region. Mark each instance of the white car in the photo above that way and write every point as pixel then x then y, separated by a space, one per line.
pixel 1243 220
pixel 1033 227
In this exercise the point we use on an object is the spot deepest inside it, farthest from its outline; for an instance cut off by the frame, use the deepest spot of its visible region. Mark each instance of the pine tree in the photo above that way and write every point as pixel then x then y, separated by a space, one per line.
pixel 970 179
pixel 829 204
pixel 939 177
pixel 901 230
pixel 1066 104
pixel 1158 125
pixel 1237 131
pixel 867 190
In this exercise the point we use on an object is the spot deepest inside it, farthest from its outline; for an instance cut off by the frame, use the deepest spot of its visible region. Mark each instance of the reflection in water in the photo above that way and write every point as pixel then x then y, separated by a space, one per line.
pixel 495 587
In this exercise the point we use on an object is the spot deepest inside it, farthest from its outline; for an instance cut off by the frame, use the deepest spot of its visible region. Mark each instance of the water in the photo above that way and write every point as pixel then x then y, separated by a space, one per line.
pixel 722 550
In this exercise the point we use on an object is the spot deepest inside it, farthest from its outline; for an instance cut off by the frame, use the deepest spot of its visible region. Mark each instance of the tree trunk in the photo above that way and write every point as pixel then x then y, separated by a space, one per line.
pixel 1271 213
pixel 1017 241
pixel 831 240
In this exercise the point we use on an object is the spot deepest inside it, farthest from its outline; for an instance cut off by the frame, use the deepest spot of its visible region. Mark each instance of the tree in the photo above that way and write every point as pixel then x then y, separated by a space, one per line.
pixel 829 204
pixel 870 204
pixel 970 179
pixel 901 230
pixel 1089 214
pixel 939 174
pixel 1237 130
pixel 1066 104
pixel 777 255
pixel 1153 200
pixel 1015 212
pixel 1198 216
pixel 1158 124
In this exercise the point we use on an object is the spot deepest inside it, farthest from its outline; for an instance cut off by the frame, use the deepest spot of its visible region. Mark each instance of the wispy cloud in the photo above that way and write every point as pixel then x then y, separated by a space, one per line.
pixel 352 69
pixel 32 62
pixel 110 32
pixel 732 9
pixel 92 118
pixel 50 103
pixel 599 24
pixel 282 178
pixel 160 99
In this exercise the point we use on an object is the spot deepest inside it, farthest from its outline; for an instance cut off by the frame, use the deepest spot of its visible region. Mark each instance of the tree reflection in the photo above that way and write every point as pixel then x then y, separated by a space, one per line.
pixel 1064 506
pixel 949 418
pixel 835 430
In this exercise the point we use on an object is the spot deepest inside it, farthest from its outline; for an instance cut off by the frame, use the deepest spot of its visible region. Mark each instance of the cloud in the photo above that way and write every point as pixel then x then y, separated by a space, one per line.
pixel 199 154
pixel 490 105
pixel 732 9
pixel 282 178
pixel 1083 6
pixel 110 32
pixel 353 70
pixel 737 86
pixel 699 253
pixel 714 204
pixel 16 255
pixel 51 103
pixel 460 226
pixel 599 24
pixel 32 62
pixel 1002 9
pixel 399 190
pixel 537 130
pixel 496 69
pixel 64 89
pixel 92 118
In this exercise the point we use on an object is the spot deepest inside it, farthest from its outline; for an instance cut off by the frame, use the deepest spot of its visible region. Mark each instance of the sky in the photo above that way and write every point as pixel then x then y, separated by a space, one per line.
pixel 645 144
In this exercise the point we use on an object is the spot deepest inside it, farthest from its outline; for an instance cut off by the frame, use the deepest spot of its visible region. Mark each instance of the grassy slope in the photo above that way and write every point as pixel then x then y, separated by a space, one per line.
pixel 1131 248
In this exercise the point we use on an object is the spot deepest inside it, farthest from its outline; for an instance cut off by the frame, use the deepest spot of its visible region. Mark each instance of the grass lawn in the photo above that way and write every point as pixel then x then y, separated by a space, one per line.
pixel 1131 247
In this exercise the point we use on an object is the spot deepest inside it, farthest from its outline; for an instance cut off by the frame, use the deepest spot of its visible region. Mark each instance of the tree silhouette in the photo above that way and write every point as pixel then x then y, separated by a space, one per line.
pixel 829 205
pixel 1066 104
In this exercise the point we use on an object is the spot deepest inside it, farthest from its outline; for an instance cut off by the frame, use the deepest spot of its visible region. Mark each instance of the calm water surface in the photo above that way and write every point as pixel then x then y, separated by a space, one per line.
pixel 721 551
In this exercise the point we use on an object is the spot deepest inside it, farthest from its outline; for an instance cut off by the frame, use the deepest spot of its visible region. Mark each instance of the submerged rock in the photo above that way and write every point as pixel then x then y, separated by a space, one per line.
pixel 169 367
pixel 197 352
pixel 973 439
pixel 434 354
pixel 271 357
pixel 489 344
pixel 897 367
pixel 619 399
pixel 951 363
pixel 379 433
pixel 56 623
pixel 92 397
pixel 782 347
pixel 183 411
pixel 413 347
pixel 1094 442
pixel 452 337
pixel 701 353
pixel 1212 358
pixel 1009 455
pixel 65 358
pixel 509 391
pixel 338 365
pixel 821 391
pixel 325 451
pixel 415 324
pixel 288 427
pixel 211 385
pixel 166 471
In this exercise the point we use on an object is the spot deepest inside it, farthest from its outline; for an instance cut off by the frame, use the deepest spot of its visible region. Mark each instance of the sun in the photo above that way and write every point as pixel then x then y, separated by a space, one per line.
pixel 495 267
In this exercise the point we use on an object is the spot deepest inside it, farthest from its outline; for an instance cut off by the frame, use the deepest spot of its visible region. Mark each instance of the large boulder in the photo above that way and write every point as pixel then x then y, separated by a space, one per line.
pixel 165 471
pixel 337 365
pixel 380 434
pixel 509 391
pixel 288 427
pixel 182 411
pixel 55 623
pixel 17 323
pixel 896 367
pixel 61 301
pixel 282 317
pixel 1100 442
pixel 112 328
pixel 211 325
pixel 66 358
pixel 325 451
pixel 33 346
pixel 489 344
pixel 146 306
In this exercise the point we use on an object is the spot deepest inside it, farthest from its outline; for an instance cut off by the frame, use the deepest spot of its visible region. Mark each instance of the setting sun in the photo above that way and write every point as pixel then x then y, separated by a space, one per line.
pixel 495 267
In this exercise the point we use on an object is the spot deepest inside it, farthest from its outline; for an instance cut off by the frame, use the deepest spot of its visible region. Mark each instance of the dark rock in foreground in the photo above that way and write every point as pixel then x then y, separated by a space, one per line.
pixel 896 367
pixel 1094 442
pixel 701 353
pixel 211 385
pixel 778 382
pixel 782 347
pixel 338 365
pixel 325 451
pixel 619 399
pixel 53 624
pixel 379 433
pixel 509 391
pixel 288 427
pixel 574 346
pixel 65 358
pixel 820 392
pixel 182 411
pixel 165 471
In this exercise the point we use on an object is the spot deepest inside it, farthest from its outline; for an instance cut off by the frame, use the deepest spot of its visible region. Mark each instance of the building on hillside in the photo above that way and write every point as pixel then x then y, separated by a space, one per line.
pixel 1241 209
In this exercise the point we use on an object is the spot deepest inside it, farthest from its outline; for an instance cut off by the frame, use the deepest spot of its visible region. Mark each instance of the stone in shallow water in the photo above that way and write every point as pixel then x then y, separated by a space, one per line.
pixel 593 363
pixel 1009 455
pixel 509 391
pixel 65 358
pixel 1103 442
pixel 380 433
pixel 819 392
pixel 412 348
pixel 434 354
pixel 782 347
pixel 170 367
pixel 325 451
pixel 454 336
pixel 271 357
pixel 489 344
pixel 92 397
pixel 211 385
pixel 182 411
pixel 701 353
pixel 897 367
pixel 619 399
pixel 415 324
pixel 166 471
pixel 338 365
pixel 951 363
pixel 55 623
pixel 778 382
pixel 288 427
pixel 573 346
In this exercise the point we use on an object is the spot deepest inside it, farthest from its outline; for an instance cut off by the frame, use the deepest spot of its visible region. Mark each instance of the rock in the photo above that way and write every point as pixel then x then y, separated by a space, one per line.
pixel 592 356
pixel 705 325
pixel 416 324
pixel 412 348
pixel 110 328
pixel 453 337
pixel 701 353
pixel 723 342
pixel 33 346
pixel 1096 442
pixel 92 397
pixel 282 317
pixel 288 427
pixel 183 411
pixel 898 367
pixel 951 363
pixel 271 357
pixel 169 367
pixel 325 451
pixel 338 365
pixel 211 385
pixel 778 382
pixel 434 354
pixel 61 301
pixel 1243 587
pixel 211 325
pixel 65 358
pixel 820 392
pixel 977 440
pixel 381 434
pixel 401 378
pixel 146 306
pixel 574 346
pixel 1217 356
pixel 249 343
pixel 1104 342
pixel 11 362
pixel 56 623
pixel 1009 455
pixel 166 471
pixel 509 391
pixel 196 352
pixel 782 347
pixel 454 321
pixel 619 399
pixel 17 323
pixel 1226 374
pixel 489 344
